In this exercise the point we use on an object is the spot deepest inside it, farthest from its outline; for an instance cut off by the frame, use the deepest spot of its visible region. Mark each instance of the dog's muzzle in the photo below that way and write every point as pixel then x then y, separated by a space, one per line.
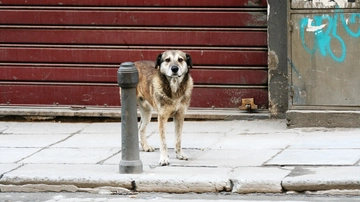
pixel 175 71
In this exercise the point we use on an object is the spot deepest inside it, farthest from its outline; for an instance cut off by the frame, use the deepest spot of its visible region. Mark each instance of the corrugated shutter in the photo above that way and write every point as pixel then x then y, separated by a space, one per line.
pixel 67 52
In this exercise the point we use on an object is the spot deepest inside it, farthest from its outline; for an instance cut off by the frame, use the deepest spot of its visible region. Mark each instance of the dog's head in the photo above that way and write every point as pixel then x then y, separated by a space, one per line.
pixel 173 63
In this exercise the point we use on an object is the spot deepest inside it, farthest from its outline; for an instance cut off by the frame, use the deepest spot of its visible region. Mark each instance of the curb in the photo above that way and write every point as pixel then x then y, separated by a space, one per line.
pixel 323 178
pixel 114 114
pixel 243 180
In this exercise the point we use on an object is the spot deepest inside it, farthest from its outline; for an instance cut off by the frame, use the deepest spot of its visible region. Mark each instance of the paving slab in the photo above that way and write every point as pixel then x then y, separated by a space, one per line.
pixel 6 167
pixel 196 126
pixel 259 179
pixel 316 157
pixel 151 159
pixel 328 140
pixel 257 141
pixel 323 178
pixel 92 140
pixel 195 140
pixel 71 155
pixel 234 158
pixel 5 125
pixel 204 126
pixel 112 127
pixel 30 140
pixel 265 126
pixel 13 155
pixel 44 128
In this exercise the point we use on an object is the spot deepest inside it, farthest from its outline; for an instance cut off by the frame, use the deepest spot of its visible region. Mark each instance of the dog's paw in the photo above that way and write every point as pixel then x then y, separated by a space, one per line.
pixel 147 148
pixel 164 161
pixel 181 156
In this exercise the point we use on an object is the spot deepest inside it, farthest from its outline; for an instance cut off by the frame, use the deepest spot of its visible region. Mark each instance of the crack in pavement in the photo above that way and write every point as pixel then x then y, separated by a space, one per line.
pixel 2 175
pixel 55 143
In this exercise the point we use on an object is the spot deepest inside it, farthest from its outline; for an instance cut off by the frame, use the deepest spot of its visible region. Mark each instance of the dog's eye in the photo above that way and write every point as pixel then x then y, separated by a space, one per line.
pixel 167 60
pixel 180 60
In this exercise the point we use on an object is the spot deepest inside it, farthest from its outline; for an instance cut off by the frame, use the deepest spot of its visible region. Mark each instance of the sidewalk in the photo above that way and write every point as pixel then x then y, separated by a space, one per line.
pixel 233 156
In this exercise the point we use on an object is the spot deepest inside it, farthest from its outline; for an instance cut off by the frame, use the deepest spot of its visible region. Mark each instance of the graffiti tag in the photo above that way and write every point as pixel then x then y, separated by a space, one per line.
pixel 325 31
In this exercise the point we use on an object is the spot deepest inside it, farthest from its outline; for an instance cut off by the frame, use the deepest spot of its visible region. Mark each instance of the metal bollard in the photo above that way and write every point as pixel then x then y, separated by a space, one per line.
pixel 128 78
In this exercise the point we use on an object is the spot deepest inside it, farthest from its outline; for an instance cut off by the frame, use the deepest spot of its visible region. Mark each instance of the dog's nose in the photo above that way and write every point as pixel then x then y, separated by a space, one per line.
pixel 174 69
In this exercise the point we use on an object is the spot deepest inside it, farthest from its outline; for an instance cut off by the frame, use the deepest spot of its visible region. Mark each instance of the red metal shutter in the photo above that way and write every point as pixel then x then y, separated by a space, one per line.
pixel 67 52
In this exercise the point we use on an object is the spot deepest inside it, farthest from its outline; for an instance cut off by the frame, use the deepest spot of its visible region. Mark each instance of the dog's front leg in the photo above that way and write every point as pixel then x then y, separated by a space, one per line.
pixel 179 122
pixel 164 157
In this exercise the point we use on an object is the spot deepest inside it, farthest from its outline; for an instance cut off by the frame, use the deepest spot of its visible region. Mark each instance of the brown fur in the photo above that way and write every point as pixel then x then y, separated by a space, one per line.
pixel 168 95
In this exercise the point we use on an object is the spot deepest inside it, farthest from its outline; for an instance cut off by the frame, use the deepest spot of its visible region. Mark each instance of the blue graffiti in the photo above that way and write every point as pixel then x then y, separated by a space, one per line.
pixel 323 36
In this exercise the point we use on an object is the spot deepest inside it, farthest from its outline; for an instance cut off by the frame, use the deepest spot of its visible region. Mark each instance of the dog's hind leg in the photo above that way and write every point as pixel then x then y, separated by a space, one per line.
pixel 145 113
pixel 179 122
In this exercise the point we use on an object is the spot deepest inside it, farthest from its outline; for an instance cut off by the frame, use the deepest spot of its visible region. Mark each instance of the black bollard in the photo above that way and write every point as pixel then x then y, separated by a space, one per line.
pixel 128 78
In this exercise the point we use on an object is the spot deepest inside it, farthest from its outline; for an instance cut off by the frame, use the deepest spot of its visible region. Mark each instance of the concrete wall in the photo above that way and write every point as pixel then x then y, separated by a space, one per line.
pixel 277 58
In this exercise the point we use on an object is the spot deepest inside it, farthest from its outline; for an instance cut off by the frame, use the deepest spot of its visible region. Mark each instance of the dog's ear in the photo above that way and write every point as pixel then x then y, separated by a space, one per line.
pixel 158 61
pixel 188 60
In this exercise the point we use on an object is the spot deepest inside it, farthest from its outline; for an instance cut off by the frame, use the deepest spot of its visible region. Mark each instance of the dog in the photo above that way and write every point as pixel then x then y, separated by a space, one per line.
pixel 166 86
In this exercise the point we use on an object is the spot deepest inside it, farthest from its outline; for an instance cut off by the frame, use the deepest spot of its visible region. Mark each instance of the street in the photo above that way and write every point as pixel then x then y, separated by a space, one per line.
pixel 85 197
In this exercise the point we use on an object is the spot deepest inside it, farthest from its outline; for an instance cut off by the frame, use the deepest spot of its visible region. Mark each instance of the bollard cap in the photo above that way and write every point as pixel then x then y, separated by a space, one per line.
pixel 127 67
pixel 127 75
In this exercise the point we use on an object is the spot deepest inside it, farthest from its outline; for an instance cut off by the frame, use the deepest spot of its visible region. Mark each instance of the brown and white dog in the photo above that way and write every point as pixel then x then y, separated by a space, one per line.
pixel 165 86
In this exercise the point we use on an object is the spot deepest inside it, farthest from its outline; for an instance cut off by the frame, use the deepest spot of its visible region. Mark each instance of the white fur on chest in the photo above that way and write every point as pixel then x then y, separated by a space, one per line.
pixel 174 84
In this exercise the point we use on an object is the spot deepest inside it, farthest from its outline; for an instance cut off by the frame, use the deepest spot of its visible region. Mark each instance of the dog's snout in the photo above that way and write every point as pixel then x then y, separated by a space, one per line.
pixel 175 69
